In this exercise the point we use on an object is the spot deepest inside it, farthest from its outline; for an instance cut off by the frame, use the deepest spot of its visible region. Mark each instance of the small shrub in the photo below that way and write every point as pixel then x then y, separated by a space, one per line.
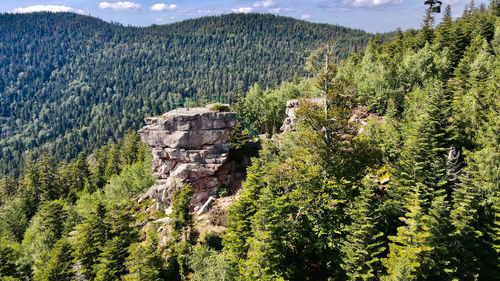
pixel 213 241
pixel 219 107
pixel 217 216
pixel 222 191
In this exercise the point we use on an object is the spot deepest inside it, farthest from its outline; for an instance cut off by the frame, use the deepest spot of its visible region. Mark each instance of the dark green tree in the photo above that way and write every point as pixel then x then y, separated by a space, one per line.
pixel 181 218
pixel 89 241
pixel 363 245
pixel 58 266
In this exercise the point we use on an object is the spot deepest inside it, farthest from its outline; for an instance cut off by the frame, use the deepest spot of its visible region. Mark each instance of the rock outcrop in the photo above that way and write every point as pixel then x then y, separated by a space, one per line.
pixel 291 109
pixel 190 146
pixel 360 115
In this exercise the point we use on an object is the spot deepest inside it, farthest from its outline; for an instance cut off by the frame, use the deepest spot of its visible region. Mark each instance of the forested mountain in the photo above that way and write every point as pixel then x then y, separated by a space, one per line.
pixel 71 83
pixel 410 191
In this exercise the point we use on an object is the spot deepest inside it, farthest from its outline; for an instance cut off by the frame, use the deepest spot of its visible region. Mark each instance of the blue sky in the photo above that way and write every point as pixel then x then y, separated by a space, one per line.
pixel 370 15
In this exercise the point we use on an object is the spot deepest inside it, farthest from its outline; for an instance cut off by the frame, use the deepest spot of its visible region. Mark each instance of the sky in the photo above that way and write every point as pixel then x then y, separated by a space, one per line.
pixel 370 15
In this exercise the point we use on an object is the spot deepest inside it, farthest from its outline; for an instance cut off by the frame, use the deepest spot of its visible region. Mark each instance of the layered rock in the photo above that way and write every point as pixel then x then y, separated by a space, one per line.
pixel 190 146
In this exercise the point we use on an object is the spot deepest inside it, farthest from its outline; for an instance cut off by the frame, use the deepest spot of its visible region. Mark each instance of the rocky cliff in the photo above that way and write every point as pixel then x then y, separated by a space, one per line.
pixel 190 146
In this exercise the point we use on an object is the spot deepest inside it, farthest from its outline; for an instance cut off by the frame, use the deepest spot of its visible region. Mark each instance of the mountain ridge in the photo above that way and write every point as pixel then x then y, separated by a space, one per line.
pixel 70 83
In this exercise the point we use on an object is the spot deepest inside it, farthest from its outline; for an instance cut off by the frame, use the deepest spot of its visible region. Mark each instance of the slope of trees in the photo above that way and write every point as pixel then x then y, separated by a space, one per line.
pixel 72 83
pixel 413 197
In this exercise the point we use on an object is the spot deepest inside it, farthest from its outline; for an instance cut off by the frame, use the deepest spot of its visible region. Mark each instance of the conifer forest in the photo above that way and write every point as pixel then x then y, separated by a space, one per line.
pixel 394 175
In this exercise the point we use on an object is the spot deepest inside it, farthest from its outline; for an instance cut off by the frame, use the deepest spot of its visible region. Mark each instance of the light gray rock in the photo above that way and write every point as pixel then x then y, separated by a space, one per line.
pixel 189 146
pixel 206 207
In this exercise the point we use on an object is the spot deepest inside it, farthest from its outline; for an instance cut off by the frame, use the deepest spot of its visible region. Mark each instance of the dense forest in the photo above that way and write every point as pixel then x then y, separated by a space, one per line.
pixel 413 194
pixel 72 83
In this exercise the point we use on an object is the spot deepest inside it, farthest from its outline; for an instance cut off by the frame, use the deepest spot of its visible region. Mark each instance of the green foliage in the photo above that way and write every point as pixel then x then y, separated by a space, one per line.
pixel 264 110
pixel 181 218
pixel 9 253
pixel 363 245
pixel 210 265
pixel 145 261
pixel 222 191
pixel 89 241
pixel 349 195
pixel 58 266
pixel 45 229
pixel 86 82
pixel 218 107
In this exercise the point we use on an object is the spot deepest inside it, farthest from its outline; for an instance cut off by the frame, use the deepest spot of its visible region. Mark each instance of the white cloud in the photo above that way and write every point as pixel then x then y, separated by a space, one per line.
pixel 46 8
pixel 159 7
pixel 372 3
pixel 264 4
pixel 244 10
pixel 305 16
pixel 274 10
pixel 120 5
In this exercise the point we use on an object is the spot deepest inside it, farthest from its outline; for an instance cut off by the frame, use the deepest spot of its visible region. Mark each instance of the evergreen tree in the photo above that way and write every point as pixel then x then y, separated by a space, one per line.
pixel 111 262
pixel 240 214
pixel 9 254
pixel 266 253
pixel 130 148
pixel 113 161
pixel 409 251
pixel 181 218
pixel 80 175
pixel 145 261
pixel 58 266
pixel 444 32
pixel 99 179
pixel 89 241
pixel 363 244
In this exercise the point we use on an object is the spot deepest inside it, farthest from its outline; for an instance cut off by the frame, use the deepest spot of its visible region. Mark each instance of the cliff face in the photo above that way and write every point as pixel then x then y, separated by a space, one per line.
pixel 190 146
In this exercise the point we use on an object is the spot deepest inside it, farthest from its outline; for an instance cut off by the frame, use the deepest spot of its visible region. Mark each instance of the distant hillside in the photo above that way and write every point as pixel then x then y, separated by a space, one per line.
pixel 70 83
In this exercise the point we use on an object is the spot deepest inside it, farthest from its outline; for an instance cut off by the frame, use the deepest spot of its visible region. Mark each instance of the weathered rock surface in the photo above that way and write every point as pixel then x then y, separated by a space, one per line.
pixel 190 146
pixel 292 106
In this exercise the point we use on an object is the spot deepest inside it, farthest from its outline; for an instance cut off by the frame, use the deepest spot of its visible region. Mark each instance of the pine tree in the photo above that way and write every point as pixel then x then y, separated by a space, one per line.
pixel 89 241
pixel 145 261
pixel 444 32
pixel 440 228
pixel 53 216
pixel 239 225
pixel 9 254
pixel 409 250
pixel 111 262
pixel 80 175
pixel 363 244
pixel 113 162
pixel 495 230
pixel 130 148
pixel 265 260
pixel 181 218
pixel 58 266
pixel 100 157
pixel 465 236
pixel 48 184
